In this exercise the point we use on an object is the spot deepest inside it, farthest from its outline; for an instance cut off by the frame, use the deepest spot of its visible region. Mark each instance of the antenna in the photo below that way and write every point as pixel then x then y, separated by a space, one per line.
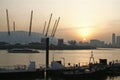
pixel 44 27
pixel 48 25
pixel 13 25
pixel 8 26
pixel 30 23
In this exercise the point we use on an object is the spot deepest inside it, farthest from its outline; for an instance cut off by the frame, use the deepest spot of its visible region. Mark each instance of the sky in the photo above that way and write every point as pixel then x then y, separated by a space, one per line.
pixel 81 20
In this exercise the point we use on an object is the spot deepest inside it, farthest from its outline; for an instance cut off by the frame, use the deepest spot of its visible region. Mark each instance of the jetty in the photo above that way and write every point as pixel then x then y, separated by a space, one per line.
pixel 21 71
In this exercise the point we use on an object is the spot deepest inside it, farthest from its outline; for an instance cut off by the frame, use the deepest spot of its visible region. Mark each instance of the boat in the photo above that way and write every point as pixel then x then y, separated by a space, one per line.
pixel 114 68
pixel 20 71
pixel 85 72
pixel 23 50
pixel 77 71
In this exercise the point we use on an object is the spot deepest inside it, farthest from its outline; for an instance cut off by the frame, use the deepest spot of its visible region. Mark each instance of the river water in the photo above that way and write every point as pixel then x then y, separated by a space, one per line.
pixel 66 56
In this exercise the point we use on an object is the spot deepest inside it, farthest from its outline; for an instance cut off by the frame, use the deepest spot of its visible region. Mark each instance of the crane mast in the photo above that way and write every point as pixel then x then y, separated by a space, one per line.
pixel 8 26
pixel 13 25
pixel 30 23
pixel 53 28
pixel 56 27
pixel 44 27
pixel 48 25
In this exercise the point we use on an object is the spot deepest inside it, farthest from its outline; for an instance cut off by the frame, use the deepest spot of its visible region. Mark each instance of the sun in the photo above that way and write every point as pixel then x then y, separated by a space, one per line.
pixel 85 33
pixel 84 39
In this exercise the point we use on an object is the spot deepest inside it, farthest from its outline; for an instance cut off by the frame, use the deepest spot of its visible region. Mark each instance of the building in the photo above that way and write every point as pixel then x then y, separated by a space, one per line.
pixel 118 41
pixel 60 41
pixel 97 43
pixel 113 39
pixel 43 41
pixel 72 42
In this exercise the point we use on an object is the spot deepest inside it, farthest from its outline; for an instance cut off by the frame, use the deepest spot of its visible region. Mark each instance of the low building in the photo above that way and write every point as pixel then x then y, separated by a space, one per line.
pixel 97 43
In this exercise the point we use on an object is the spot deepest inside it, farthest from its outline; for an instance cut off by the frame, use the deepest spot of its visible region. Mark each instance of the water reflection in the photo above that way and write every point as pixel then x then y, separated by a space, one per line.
pixel 113 78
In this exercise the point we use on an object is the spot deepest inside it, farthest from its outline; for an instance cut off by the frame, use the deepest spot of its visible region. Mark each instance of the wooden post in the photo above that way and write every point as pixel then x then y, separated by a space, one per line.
pixel 47 52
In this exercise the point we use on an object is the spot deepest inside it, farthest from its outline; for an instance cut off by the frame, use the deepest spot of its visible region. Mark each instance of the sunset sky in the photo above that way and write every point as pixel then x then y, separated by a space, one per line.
pixel 81 20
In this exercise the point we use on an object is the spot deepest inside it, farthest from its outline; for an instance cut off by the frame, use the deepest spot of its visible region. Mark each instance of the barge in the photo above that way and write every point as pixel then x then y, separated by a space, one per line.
pixel 24 50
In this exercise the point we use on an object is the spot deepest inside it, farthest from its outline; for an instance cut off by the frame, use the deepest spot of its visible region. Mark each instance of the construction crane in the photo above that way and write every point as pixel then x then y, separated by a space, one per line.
pixel 48 25
pixel 8 26
pixel 54 31
pixel 14 26
pixel 44 27
pixel 30 23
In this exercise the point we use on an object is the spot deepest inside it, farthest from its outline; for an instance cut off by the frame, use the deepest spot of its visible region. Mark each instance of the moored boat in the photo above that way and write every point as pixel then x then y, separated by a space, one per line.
pixel 92 70
pixel 23 50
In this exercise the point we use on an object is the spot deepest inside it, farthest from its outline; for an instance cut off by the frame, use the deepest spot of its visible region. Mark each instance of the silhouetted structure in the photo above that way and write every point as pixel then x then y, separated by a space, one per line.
pixel 72 42
pixel 47 52
pixel 43 41
pixel 118 41
pixel 48 25
pixel 113 39
pixel 13 25
pixel 97 43
pixel 8 25
pixel 44 27
pixel 60 42
pixel 30 23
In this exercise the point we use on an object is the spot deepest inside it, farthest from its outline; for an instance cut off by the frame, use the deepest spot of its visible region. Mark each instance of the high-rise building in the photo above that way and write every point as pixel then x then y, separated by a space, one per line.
pixel 113 39
pixel 118 40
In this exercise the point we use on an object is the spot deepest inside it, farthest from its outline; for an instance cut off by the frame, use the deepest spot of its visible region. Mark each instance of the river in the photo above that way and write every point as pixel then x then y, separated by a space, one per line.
pixel 66 56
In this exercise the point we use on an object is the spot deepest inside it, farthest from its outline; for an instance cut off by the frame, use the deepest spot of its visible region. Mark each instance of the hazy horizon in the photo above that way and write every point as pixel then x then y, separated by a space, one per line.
pixel 81 20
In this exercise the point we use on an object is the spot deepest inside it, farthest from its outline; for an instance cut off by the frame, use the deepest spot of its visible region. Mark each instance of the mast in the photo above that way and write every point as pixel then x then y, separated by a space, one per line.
pixel 8 26
pixel 56 27
pixel 14 26
pixel 48 25
pixel 30 23
pixel 44 27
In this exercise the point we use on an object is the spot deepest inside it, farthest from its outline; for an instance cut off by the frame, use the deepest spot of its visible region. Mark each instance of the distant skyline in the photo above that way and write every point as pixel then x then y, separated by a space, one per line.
pixel 81 20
